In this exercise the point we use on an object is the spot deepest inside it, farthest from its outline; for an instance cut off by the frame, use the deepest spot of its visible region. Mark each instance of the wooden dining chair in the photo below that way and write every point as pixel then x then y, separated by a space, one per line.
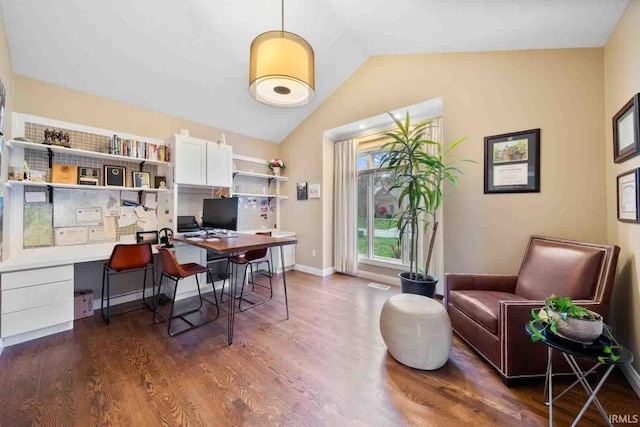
pixel 127 259
pixel 172 269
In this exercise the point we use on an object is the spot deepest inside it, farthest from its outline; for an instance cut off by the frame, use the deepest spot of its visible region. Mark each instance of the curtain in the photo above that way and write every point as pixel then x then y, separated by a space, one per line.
pixel 345 205
pixel 435 133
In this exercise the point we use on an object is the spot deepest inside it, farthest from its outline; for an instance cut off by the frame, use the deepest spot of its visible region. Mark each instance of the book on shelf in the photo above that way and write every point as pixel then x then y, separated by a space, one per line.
pixel 138 149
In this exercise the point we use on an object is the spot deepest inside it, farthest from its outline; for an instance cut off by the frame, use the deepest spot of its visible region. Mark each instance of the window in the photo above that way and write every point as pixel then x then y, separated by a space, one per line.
pixel 378 237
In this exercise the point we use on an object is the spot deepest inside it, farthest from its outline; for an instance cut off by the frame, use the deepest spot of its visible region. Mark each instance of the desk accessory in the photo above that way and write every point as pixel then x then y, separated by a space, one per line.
pixel 88 176
pixel 165 234
pixel 147 237
pixel 64 174
pixel 114 176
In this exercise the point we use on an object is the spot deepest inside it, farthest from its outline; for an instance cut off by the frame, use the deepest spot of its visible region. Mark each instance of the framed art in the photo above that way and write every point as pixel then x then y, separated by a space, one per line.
pixel 114 176
pixel 141 180
pixel 626 131
pixel 314 191
pixel 302 191
pixel 512 162
pixel 628 184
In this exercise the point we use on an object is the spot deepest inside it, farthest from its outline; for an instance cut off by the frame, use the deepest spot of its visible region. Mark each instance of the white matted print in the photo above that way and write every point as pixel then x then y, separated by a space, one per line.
pixel 628 196
pixel 314 191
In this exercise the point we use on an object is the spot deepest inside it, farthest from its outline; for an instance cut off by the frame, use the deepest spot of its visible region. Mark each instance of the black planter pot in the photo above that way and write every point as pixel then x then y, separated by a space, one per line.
pixel 423 287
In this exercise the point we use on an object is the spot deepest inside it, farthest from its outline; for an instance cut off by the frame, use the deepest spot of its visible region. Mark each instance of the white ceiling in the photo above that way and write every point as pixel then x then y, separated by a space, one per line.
pixel 190 58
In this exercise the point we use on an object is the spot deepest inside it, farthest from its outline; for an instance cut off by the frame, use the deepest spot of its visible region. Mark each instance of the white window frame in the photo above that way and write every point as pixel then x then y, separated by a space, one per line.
pixel 370 258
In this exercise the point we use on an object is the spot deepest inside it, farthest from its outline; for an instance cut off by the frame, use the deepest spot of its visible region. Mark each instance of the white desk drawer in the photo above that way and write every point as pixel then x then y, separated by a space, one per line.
pixel 21 279
pixel 36 318
pixel 36 296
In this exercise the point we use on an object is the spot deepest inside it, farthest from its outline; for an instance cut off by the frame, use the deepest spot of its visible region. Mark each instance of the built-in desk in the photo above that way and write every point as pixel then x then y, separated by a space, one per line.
pixel 37 288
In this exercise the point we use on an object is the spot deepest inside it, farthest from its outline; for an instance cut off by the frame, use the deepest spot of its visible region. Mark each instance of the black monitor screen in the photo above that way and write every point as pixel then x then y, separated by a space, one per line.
pixel 220 213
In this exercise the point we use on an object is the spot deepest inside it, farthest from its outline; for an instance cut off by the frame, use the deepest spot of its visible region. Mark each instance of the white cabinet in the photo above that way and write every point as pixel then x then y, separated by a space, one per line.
pixel 219 165
pixel 190 161
pixel 201 163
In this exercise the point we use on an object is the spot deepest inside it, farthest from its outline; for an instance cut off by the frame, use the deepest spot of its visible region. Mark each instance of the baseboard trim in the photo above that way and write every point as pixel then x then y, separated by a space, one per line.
pixel 315 271
pixel 632 376
pixel 38 333
pixel 135 296
pixel 379 277
pixel 1 346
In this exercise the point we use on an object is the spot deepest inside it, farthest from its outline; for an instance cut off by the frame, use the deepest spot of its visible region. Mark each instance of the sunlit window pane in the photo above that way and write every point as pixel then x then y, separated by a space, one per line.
pixel 363 242
pixel 385 202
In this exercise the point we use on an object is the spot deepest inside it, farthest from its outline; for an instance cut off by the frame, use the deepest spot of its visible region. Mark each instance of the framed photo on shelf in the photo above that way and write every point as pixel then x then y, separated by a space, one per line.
pixel 628 184
pixel 302 191
pixel 512 162
pixel 141 180
pixel 114 176
pixel 626 131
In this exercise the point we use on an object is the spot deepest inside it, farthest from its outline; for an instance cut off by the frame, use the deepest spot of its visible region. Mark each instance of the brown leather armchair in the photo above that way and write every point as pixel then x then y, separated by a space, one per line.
pixel 490 312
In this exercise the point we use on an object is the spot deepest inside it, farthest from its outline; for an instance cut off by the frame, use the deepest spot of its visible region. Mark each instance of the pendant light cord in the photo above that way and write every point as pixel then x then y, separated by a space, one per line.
pixel 282 18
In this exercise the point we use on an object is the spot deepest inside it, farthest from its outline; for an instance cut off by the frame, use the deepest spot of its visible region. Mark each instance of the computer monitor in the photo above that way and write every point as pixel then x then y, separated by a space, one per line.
pixel 220 213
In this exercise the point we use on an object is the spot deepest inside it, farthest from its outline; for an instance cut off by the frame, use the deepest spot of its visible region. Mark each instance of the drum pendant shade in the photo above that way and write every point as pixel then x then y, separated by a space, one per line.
pixel 281 70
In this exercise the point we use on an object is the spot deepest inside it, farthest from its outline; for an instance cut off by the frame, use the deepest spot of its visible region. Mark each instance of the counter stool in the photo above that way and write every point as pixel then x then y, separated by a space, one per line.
pixel 176 271
pixel 249 259
pixel 127 259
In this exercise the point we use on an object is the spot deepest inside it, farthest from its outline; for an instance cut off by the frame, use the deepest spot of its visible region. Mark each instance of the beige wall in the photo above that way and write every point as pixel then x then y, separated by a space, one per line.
pixel 43 99
pixel 6 74
pixel 622 81
pixel 559 91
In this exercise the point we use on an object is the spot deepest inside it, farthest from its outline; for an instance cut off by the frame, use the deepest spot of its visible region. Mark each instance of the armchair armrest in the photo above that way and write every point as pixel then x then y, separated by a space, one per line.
pixel 481 282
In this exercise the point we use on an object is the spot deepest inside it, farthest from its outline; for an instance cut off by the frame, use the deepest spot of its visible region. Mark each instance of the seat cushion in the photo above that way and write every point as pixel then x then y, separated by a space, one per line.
pixel 561 268
pixel 482 306
pixel 192 268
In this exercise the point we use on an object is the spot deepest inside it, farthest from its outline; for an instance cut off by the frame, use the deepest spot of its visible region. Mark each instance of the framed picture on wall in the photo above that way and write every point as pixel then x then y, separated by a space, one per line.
pixel 302 191
pixel 626 131
pixel 628 186
pixel 512 162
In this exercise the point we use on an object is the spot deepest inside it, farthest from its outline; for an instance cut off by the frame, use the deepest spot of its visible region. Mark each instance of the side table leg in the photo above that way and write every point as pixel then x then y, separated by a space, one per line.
pixel 593 395
pixel 550 384
pixel 582 377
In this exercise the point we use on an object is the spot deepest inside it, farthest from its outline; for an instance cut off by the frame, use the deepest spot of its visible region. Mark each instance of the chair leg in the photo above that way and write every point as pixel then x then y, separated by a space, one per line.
pixel 156 302
pixel 244 277
pixel 253 279
pixel 108 312
pixel 102 313
pixel 173 303
pixel 144 286
pixel 270 280
pixel 213 285
pixel 224 280
pixel 199 293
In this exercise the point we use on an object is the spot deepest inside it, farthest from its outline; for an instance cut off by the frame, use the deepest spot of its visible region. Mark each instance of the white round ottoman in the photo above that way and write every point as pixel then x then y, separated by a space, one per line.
pixel 416 330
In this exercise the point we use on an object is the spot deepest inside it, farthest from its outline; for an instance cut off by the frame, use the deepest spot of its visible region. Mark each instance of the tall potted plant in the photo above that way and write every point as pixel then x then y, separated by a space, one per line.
pixel 419 177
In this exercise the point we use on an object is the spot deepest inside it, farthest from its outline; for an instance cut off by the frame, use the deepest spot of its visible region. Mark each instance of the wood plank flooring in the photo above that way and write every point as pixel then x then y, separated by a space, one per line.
pixel 326 366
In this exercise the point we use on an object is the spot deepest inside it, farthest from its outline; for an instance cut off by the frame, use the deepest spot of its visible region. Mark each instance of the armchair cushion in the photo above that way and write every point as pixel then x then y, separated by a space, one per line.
pixel 482 306
pixel 561 268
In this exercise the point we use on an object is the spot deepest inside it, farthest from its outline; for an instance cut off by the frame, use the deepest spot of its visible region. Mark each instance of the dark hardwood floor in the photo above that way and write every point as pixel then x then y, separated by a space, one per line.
pixel 327 365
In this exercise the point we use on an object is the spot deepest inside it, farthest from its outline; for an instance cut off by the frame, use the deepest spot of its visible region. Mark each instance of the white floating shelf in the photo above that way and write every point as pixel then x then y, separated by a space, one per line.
pixel 263 196
pixel 11 184
pixel 260 175
pixel 84 153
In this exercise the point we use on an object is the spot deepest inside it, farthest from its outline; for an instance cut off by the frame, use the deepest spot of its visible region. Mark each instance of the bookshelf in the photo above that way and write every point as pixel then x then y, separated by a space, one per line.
pixel 83 153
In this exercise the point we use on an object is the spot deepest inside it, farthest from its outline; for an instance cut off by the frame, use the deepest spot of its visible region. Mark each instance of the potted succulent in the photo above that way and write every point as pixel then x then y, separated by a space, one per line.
pixel 276 165
pixel 419 177
pixel 562 317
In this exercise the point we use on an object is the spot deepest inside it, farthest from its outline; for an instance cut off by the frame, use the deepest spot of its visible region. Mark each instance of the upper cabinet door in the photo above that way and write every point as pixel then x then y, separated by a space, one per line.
pixel 190 162
pixel 219 165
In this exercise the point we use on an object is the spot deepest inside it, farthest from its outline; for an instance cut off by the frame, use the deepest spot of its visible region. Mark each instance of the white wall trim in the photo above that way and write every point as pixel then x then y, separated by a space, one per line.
pixel 19 119
pixel 135 296
pixel 315 271
pixel 250 159
pixel 632 376
pixel 392 280
pixel 38 333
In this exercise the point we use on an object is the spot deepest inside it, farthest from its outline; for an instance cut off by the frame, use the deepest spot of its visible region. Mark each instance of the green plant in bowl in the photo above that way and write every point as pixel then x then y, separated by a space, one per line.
pixel 564 318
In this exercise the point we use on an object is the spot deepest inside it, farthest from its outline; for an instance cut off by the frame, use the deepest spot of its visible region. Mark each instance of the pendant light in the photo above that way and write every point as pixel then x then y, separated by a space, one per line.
pixel 281 70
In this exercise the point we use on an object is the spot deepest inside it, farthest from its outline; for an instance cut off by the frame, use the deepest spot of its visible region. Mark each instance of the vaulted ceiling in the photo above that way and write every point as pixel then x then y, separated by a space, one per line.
pixel 190 58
